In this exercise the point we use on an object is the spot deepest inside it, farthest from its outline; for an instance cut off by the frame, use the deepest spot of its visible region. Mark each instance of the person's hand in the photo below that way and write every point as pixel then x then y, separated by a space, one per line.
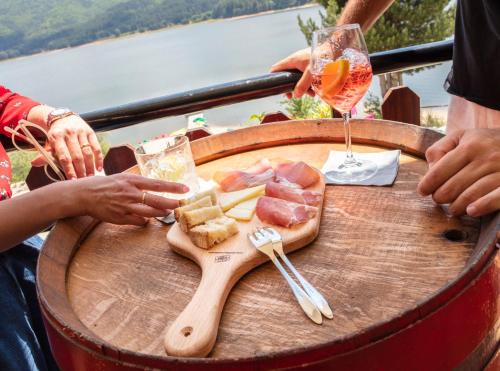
pixel 75 146
pixel 297 61
pixel 123 198
pixel 464 171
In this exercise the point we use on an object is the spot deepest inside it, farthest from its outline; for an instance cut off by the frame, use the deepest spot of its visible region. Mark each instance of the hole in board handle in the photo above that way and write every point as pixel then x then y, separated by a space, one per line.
pixel 186 331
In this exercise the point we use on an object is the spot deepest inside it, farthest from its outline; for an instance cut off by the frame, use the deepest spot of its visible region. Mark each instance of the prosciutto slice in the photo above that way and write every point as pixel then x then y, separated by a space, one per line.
pixel 296 174
pixel 260 173
pixel 297 195
pixel 283 213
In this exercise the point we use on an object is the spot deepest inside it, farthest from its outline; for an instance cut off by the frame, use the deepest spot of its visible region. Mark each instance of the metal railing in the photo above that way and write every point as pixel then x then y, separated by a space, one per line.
pixel 251 88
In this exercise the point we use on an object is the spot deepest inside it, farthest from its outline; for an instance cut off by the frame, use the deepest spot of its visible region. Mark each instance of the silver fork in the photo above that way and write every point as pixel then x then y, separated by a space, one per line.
pixel 317 298
pixel 264 245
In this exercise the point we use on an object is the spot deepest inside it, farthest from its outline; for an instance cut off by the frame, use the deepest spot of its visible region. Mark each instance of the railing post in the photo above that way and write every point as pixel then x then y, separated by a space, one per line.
pixel 119 159
pixel 274 117
pixel 401 104
pixel 197 133
pixel 37 178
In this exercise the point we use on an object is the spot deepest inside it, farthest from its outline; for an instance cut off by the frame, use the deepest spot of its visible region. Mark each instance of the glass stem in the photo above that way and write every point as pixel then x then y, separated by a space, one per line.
pixel 349 159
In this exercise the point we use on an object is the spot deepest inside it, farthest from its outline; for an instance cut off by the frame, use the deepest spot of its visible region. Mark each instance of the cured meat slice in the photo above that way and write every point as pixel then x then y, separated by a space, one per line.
pixel 283 213
pixel 296 174
pixel 297 195
pixel 235 180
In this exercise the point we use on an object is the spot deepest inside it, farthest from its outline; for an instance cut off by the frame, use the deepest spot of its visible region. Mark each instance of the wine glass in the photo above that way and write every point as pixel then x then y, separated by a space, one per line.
pixel 342 74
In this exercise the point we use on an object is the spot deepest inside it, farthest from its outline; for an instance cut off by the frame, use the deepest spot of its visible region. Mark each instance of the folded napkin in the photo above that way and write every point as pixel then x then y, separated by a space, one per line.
pixel 387 167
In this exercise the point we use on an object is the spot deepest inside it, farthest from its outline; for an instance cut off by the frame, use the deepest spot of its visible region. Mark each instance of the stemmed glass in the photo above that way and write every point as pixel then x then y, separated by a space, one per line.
pixel 342 74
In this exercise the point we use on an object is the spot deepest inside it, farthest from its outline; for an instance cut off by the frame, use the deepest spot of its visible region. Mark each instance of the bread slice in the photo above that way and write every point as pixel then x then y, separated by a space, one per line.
pixel 199 196
pixel 202 202
pixel 196 217
pixel 213 232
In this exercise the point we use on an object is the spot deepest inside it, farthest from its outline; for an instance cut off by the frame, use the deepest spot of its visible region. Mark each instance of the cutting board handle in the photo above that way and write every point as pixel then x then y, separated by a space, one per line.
pixel 194 332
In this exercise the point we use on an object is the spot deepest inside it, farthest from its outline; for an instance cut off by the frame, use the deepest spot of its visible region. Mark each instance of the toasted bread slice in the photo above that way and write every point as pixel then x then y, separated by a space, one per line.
pixel 202 202
pixel 229 223
pixel 196 217
pixel 199 196
pixel 213 232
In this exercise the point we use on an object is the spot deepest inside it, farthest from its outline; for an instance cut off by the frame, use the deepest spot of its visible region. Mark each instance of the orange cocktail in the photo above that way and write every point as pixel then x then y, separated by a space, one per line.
pixel 342 74
pixel 342 84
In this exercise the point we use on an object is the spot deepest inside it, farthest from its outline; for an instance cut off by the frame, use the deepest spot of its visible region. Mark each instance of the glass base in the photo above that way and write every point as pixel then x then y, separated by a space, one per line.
pixel 353 172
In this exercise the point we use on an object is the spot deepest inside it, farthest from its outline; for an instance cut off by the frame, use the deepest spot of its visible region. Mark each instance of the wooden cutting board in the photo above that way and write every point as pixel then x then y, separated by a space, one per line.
pixel 194 332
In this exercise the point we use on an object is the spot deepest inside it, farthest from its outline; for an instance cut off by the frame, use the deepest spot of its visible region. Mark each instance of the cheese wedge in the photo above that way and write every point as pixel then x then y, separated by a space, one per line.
pixel 231 199
pixel 192 218
pixel 200 195
pixel 213 232
pixel 202 202
pixel 243 211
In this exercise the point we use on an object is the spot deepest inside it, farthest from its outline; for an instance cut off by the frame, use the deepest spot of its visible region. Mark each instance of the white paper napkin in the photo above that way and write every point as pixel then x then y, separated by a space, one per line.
pixel 387 167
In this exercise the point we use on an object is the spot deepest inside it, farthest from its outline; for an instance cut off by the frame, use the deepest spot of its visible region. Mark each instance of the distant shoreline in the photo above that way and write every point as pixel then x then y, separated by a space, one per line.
pixel 135 34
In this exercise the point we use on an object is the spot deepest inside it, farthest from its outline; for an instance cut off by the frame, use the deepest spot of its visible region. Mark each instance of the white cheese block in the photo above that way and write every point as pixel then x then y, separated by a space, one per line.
pixel 231 199
pixel 243 211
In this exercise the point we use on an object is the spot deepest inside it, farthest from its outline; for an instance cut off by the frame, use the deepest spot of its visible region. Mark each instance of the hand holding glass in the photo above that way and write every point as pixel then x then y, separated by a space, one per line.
pixel 342 74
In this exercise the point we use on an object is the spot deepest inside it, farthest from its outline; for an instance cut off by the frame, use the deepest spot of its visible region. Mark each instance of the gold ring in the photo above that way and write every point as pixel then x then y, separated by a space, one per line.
pixel 144 198
pixel 85 145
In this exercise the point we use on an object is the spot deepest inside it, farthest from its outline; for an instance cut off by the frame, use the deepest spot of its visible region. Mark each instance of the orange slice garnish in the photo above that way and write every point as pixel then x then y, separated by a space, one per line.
pixel 333 77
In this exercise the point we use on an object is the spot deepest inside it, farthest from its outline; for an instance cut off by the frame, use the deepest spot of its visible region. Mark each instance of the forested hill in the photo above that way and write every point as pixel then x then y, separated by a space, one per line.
pixel 32 26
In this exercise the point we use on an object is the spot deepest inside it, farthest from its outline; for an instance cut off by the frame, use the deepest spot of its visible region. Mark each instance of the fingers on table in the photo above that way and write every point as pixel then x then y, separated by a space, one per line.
pixel 439 149
pixel 486 204
pixel 461 181
pixel 160 203
pixel 157 185
pixel 450 164
pixel 480 198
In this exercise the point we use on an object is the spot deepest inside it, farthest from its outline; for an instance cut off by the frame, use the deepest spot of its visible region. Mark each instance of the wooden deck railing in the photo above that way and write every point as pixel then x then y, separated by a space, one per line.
pixel 399 104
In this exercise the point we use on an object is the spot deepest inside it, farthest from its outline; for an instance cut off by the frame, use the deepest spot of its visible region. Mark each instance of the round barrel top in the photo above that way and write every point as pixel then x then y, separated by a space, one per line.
pixel 384 257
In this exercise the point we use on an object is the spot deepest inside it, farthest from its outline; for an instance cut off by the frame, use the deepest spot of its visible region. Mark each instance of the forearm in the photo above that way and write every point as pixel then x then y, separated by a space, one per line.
pixel 364 12
pixel 23 216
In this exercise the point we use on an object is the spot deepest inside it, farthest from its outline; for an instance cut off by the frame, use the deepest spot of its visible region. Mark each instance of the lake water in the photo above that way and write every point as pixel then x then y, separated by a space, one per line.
pixel 130 69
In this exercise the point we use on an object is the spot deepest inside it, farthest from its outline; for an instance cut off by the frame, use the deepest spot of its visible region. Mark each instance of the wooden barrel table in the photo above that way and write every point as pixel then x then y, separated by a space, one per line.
pixel 410 287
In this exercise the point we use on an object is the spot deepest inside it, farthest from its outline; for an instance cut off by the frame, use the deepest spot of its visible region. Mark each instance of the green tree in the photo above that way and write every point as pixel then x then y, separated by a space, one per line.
pixel 372 106
pixel 307 108
pixel 405 23
pixel 21 164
